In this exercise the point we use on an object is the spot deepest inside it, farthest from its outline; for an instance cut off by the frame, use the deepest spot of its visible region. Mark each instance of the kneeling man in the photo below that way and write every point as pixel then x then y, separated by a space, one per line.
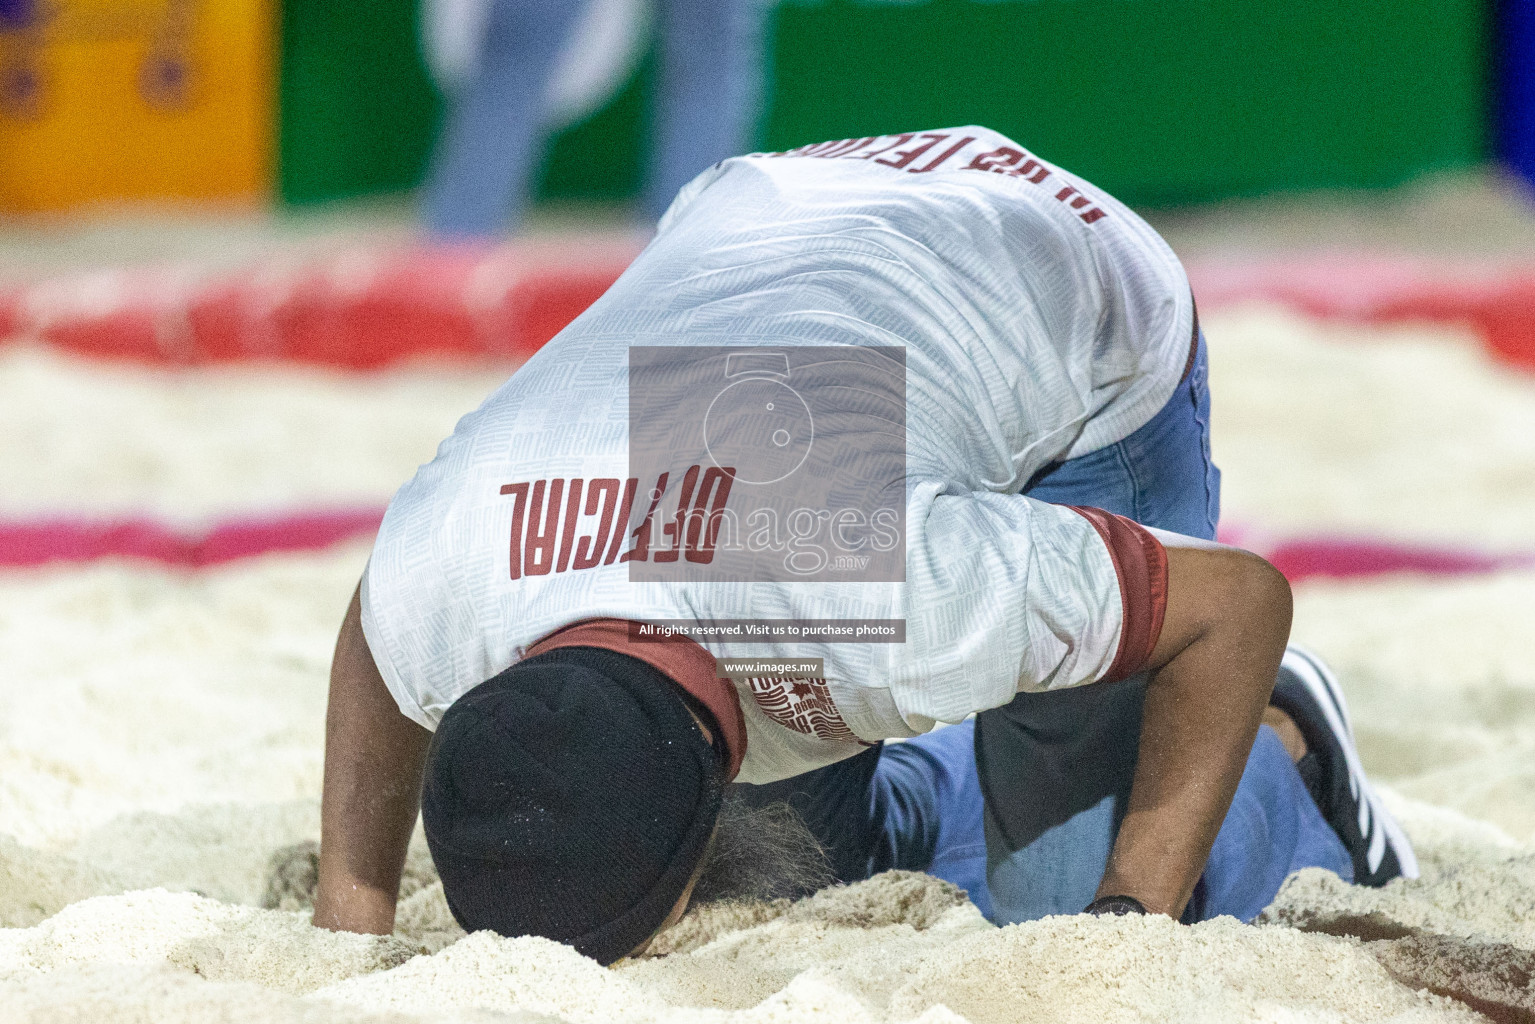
pixel 921 421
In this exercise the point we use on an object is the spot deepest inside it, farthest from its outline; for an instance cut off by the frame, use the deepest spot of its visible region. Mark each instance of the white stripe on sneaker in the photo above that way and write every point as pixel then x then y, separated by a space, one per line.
pixel 1405 855
pixel 1377 842
pixel 1328 694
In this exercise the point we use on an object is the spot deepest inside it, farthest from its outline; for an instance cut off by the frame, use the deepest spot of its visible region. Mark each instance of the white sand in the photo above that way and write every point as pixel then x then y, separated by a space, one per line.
pixel 95 438
pixel 1410 433
pixel 160 735
pixel 191 688
pixel 128 689
pixel 1442 680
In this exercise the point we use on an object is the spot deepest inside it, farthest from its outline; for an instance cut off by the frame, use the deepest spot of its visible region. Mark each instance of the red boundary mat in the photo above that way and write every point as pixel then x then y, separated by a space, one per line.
pixel 1498 301
pixel 359 309
pixel 372 307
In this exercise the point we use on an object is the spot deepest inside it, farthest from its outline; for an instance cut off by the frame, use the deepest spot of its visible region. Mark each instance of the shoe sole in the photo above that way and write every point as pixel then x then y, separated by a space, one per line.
pixel 1323 687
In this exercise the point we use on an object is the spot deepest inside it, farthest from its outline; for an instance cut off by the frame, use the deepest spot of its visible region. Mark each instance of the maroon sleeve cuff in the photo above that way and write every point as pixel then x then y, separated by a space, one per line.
pixel 1140 562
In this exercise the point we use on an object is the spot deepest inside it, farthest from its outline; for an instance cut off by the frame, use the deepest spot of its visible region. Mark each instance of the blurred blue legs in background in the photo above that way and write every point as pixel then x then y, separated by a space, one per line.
pixel 493 132
pixel 708 93
pixel 707 100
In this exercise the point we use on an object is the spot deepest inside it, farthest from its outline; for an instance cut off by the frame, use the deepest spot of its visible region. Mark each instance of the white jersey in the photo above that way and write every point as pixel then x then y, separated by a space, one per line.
pixel 1040 319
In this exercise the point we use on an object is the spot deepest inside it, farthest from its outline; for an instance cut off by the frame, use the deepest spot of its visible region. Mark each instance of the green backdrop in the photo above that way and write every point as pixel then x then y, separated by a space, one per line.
pixel 1158 101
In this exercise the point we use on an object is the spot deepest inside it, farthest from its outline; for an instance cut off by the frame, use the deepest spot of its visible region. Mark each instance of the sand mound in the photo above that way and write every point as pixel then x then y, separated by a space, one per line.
pixel 145 995
pixel 217 941
pixel 132 953
pixel 892 949
pixel 1486 901
pixel 1496 979
pixel 35 884
pixel 1091 970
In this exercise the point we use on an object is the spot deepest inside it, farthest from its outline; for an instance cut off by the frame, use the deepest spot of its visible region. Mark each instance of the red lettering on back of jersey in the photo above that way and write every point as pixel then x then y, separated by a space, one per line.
pixel 997 161
pixel 621 525
pixel 672 531
pixel 641 550
pixel 589 549
pixel 537 531
pixel 941 157
pixel 519 509
pixel 1002 160
pixel 1033 170
pixel 538 551
pixel 701 537
pixel 900 140
pixel 912 154
pixel 568 530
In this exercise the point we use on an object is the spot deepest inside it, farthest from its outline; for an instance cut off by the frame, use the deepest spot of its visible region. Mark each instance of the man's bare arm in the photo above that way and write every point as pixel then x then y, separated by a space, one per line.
pixel 374 758
pixel 1224 632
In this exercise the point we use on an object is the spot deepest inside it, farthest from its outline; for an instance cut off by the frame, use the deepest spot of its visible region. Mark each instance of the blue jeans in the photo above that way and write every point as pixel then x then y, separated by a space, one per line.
pixel 1020 806
pixel 1056 768
pixel 707 99
pixel 927 812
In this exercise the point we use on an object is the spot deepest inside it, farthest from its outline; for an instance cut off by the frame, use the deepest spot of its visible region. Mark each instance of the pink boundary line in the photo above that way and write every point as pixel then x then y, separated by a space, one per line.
pixel 27 543
pixel 76 539
pixel 1352 557
pixel 1340 558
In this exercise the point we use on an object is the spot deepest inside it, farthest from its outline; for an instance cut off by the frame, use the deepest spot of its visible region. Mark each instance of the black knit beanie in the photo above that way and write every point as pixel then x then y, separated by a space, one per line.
pixel 571 797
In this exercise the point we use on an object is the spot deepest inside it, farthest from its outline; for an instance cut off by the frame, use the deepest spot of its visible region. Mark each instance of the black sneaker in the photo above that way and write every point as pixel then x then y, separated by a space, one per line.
pixel 1309 693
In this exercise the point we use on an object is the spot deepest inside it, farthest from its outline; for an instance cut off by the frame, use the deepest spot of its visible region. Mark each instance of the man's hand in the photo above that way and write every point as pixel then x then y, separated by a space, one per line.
pixel 1224 632
pixel 374 758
